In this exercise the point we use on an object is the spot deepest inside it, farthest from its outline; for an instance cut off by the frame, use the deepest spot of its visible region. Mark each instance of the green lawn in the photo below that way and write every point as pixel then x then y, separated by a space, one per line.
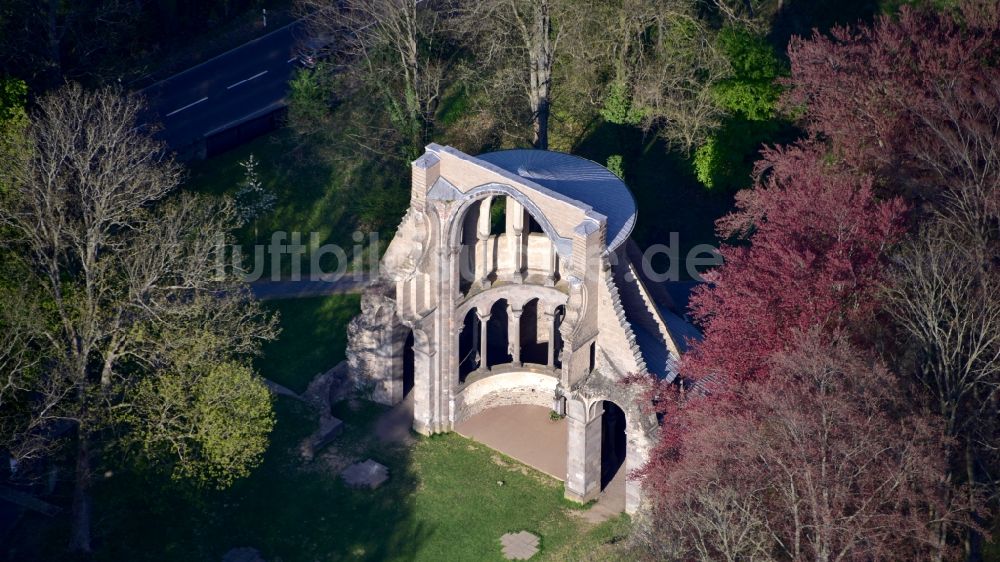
pixel 313 338
pixel 333 199
pixel 442 502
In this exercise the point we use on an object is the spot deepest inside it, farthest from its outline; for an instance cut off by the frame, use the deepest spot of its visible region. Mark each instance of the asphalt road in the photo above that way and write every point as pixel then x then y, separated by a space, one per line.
pixel 249 80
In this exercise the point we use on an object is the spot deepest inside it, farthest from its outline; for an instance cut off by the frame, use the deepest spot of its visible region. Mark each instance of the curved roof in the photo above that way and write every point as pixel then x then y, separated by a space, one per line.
pixel 575 178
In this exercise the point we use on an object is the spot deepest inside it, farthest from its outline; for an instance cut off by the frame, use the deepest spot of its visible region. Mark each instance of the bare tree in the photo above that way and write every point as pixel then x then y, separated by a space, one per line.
pixel 945 296
pixel 521 40
pixel 658 62
pixel 916 99
pixel 392 46
pixel 673 86
pixel 126 282
pixel 712 522
pixel 748 14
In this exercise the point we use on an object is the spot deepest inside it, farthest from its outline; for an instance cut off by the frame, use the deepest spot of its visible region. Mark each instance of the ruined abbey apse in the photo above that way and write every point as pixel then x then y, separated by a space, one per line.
pixel 512 280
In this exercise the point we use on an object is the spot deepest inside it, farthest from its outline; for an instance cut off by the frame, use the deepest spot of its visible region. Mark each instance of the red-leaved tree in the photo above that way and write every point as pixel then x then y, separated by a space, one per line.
pixel 915 100
pixel 817 240
pixel 823 462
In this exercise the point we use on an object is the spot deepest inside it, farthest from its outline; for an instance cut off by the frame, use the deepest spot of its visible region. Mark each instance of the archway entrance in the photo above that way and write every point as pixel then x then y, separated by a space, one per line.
pixel 468 345
pixel 613 442
pixel 532 350
pixel 498 335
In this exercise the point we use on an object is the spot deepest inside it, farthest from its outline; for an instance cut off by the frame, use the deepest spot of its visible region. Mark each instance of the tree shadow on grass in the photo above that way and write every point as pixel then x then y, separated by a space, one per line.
pixel 333 199
pixel 313 338
pixel 286 509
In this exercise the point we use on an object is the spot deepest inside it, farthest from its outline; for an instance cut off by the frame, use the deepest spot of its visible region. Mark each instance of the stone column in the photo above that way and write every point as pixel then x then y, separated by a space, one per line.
pixel 550 325
pixel 424 388
pixel 583 453
pixel 514 333
pixel 483 322
pixel 636 454
pixel 517 274
pixel 482 236
pixel 550 278
pixel 453 271
pixel 456 340
pixel 515 234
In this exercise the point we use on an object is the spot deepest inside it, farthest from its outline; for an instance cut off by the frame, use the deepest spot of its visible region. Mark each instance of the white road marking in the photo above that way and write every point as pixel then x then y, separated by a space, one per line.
pixel 293 59
pixel 258 75
pixel 178 110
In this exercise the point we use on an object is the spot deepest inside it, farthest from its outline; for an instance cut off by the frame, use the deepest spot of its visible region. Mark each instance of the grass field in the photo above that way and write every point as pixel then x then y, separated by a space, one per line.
pixel 442 502
pixel 315 196
pixel 313 338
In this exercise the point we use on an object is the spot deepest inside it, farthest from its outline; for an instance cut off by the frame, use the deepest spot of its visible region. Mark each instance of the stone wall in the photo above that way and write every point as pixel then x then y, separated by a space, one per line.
pixel 505 389
pixel 373 349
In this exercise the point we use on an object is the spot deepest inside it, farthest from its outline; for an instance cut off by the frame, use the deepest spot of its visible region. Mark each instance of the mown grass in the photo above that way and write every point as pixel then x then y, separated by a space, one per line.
pixel 324 197
pixel 442 502
pixel 313 338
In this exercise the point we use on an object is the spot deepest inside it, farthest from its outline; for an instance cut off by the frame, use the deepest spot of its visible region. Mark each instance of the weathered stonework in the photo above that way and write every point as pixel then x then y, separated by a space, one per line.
pixel 501 287
pixel 371 346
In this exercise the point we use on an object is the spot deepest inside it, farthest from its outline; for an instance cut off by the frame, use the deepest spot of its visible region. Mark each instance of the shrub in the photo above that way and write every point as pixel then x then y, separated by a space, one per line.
pixel 617 165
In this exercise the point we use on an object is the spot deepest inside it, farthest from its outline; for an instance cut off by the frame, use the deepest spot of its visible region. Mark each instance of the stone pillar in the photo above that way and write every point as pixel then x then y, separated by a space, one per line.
pixel 550 278
pixel 433 352
pixel 514 333
pixel 515 235
pixel 482 236
pixel 424 172
pixel 583 453
pixel 559 403
pixel 550 325
pixel 635 457
pixel 517 274
pixel 483 321
pixel 424 388
pixel 453 270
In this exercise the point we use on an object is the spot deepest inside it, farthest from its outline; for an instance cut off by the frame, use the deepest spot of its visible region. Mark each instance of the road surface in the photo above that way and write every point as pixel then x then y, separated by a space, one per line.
pixel 245 82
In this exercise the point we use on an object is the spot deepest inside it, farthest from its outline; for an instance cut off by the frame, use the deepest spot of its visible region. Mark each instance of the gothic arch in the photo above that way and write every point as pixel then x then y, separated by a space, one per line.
pixel 563 245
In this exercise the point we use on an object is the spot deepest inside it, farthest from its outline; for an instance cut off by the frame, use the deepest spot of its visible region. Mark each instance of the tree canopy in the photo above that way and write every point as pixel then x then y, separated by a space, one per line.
pixel 126 329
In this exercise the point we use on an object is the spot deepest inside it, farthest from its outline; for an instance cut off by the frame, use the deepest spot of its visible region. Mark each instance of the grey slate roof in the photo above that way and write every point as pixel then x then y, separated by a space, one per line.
pixel 576 178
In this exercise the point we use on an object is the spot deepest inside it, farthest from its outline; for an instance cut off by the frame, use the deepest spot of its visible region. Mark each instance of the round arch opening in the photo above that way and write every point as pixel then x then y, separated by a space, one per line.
pixel 500 236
